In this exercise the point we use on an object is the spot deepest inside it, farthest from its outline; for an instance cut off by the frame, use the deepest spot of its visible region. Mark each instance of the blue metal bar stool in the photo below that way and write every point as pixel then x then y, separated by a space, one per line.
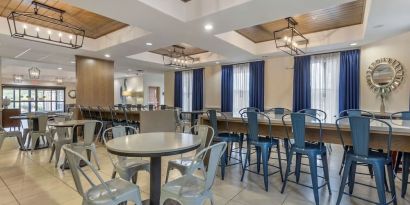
pixel 241 112
pixel 352 113
pixel 360 138
pixel 224 137
pixel 303 147
pixel 278 112
pixel 403 119
pixel 263 145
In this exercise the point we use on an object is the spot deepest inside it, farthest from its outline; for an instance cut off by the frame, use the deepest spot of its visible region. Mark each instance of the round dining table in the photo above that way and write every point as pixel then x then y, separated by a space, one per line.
pixel 153 145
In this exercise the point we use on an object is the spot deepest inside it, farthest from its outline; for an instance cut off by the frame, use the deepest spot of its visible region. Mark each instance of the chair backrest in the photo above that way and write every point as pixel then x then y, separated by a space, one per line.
pixel 215 152
pixel 162 107
pixel 117 131
pixel 252 119
pixel 356 112
pixel 150 107
pixel 360 133
pixel 42 123
pixel 89 131
pixel 213 120
pixel 203 131
pixel 298 124
pixel 248 109
pixel 278 111
pixel 139 106
pixel 74 158
pixel 320 114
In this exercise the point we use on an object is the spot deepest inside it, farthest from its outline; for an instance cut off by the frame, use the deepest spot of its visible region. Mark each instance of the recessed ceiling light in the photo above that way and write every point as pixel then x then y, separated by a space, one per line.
pixel 353 44
pixel 107 55
pixel 60 68
pixel 217 62
pixel 148 44
pixel 72 62
pixel 208 27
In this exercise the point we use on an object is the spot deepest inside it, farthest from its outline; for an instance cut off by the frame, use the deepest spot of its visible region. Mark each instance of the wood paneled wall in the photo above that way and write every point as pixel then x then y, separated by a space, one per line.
pixel 95 81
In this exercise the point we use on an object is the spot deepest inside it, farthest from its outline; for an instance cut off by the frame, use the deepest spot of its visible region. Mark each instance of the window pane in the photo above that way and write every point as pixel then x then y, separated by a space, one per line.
pixel 40 106
pixel 60 95
pixel 24 95
pixel 9 93
pixel 60 106
pixel 40 95
pixel 47 106
pixel 53 105
pixel 53 95
pixel 24 107
pixel 33 106
pixel 47 94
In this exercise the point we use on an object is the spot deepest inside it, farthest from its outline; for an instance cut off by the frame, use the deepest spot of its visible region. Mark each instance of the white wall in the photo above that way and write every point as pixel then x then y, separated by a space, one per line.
pixel 139 84
pixel 398 48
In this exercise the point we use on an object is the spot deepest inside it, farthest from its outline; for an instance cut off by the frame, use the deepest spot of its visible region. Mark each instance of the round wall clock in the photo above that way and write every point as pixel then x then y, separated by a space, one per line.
pixel 72 94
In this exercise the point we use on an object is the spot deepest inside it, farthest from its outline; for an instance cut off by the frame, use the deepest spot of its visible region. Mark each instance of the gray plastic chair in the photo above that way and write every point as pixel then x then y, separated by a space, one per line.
pixel 88 143
pixel 59 136
pixel 42 131
pixel 126 167
pixel 4 134
pixel 191 189
pixel 184 163
pixel 111 192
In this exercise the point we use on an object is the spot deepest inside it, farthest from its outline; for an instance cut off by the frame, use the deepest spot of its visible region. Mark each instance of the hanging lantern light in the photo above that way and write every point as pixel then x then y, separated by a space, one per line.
pixel 34 73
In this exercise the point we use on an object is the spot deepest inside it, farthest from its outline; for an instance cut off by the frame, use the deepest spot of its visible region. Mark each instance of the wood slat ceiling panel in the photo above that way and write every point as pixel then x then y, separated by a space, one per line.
pixel 94 25
pixel 339 16
pixel 189 50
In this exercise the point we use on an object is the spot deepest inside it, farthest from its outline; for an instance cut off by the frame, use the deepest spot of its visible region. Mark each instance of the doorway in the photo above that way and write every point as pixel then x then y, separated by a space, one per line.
pixel 154 95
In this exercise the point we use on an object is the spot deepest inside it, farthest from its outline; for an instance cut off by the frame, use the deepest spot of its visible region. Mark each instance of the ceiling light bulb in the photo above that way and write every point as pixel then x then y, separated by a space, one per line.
pixel 60 68
pixel 148 44
pixel 175 59
pixel 353 44
pixel 24 26
pixel 285 38
pixel 70 37
pixel 289 40
pixel 208 27
pixel 72 62
pixel 60 34
pixel 49 32
pixel 295 44
pixel 107 55
pixel 37 29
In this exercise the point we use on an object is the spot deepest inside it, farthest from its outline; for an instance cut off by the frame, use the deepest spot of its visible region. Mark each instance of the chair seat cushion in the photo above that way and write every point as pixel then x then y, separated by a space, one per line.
pixel 187 186
pixel 372 156
pixel 312 147
pixel 118 187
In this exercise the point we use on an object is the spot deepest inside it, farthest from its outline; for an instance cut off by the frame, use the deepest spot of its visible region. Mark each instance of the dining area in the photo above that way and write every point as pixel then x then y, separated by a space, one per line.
pixel 198 102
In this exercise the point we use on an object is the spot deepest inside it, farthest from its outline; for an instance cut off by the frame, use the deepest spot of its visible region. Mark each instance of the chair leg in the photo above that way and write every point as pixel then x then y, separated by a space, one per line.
pixel 398 160
pixel 53 149
pixel 297 166
pixel 290 155
pixel 224 158
pixel 379 175
pixel 168 170
pixel 405 171
pixel 258 159
pixel 343 159
pixel 391 181
pixel 313 174
pixel 352 176
pixel 94 153
pixel 279 161
pixel 370 167
pixel 326 171
pixel 247 158
pixel 57 155
pixel 346 172
pixel 286 145
pixel 265 158
pixel 113 174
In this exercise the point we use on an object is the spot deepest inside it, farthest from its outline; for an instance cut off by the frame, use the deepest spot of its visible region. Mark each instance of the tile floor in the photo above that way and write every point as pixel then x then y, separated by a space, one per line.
pixel 30 179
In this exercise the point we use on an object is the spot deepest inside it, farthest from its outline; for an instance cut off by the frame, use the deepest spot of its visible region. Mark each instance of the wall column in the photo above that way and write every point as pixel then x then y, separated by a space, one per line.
pixel 95 81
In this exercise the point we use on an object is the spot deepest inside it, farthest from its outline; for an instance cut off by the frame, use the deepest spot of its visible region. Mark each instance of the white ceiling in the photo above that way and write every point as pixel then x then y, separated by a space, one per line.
pixel 164 23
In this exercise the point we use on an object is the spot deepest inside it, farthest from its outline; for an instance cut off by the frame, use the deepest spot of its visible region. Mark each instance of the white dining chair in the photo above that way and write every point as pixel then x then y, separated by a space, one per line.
pixel 126 167
pixel 89 138
pixel 42 131
pixel 191 189
pixel 183 163
pixel 59 136
pixel 114 191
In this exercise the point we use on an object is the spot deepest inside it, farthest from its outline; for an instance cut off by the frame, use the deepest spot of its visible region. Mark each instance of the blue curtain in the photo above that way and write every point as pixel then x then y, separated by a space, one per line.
pixel 301 83
pixel 227 88
pixel 178 89
pixel 349 82
pixel 198 89
pixel 257 84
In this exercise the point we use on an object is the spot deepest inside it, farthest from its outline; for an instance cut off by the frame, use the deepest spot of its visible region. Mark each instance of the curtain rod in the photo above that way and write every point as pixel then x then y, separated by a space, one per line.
pixel 243 62
pixel 329 52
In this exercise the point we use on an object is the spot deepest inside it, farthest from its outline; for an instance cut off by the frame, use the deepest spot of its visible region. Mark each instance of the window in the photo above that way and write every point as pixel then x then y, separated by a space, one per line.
pixel 324 80
pixel 31 99
pixel 240 87
pixel 187 85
